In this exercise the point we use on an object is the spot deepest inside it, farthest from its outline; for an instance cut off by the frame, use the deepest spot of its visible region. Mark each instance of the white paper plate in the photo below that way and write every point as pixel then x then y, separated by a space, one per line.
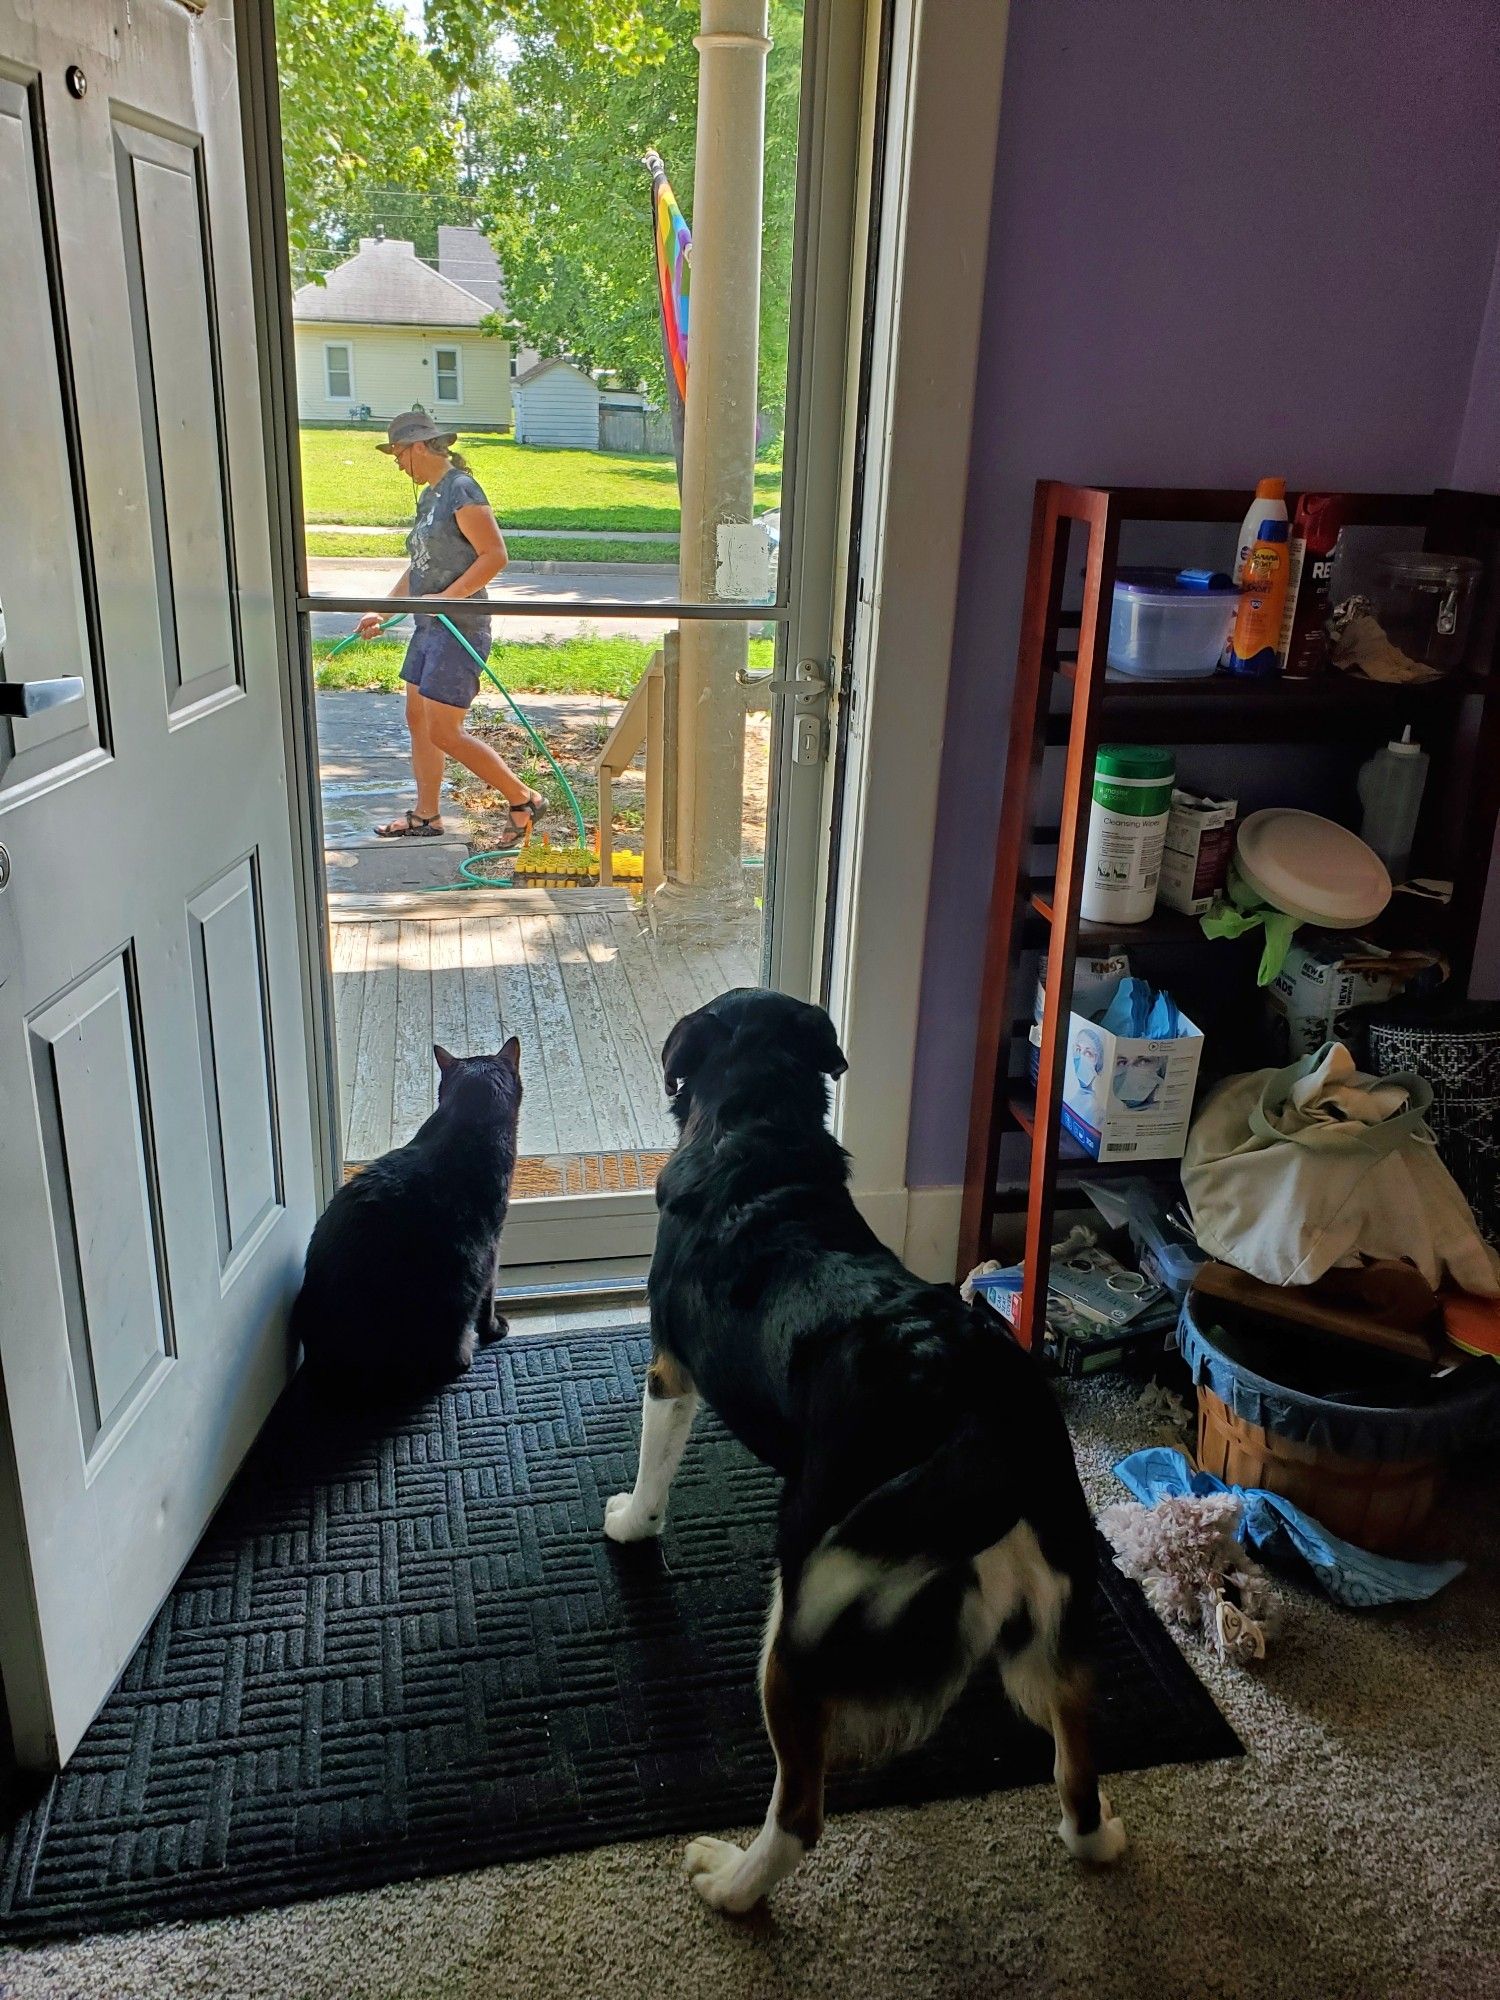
pixel 1314 869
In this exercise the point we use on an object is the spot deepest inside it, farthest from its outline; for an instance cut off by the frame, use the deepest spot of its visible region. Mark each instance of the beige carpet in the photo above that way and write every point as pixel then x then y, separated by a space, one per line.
pixel 1354 1852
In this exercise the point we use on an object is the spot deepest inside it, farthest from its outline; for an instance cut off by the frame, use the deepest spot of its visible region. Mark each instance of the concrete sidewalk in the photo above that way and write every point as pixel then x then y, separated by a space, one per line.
pixel 364 764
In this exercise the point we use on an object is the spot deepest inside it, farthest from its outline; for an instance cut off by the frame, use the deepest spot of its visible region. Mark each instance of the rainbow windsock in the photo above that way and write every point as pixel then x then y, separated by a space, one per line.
pixel 674 243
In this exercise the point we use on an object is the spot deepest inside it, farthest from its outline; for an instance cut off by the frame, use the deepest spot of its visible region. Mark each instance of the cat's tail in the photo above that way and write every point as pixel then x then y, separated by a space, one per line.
pixel 314 1374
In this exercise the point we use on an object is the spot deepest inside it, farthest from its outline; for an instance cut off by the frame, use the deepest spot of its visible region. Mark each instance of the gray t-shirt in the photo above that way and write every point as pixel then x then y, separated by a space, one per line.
pixel 438 547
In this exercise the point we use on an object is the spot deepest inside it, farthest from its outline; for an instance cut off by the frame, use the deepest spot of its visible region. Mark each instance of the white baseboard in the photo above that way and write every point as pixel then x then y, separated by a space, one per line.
pixel 919 1224
pixel 932 1222
pixel 885 1211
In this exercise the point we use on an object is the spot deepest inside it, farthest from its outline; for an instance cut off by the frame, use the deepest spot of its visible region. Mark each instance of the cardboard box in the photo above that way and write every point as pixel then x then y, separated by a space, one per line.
pixel 1094 982
pixel 1126 1097
pixel 1326 975
pixel 1195 858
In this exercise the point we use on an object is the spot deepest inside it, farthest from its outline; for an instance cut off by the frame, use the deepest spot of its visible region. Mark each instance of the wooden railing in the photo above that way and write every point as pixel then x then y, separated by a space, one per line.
pixel 641 721
pixel 648 718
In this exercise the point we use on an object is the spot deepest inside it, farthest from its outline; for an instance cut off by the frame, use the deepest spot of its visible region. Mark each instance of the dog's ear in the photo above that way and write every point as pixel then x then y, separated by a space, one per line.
pixel 695 1038
pixel 817 1042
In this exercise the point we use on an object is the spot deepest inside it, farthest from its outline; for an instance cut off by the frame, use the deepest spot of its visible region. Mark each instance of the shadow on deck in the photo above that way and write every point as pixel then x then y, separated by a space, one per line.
pixel 576 975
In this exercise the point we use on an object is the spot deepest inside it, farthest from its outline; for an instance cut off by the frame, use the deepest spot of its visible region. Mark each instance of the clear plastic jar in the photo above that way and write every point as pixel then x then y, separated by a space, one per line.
pixel 1424 603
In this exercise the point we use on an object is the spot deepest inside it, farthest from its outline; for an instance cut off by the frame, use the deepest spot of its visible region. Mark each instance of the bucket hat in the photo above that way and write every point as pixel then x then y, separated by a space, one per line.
pixel 414 427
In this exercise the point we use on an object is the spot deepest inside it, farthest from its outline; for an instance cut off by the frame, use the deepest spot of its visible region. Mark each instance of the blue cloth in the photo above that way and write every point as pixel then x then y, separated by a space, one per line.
pixel 1274 1527
pixel 437 664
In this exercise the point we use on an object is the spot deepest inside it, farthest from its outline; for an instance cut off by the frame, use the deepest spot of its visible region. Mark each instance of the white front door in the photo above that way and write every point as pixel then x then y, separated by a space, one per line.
pixel 156 1143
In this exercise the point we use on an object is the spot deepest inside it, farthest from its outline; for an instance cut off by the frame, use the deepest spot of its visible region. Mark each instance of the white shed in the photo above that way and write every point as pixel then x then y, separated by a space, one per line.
pixel 557 403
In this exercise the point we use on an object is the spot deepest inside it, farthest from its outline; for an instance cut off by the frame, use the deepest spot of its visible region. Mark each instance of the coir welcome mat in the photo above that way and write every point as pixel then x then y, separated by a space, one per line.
pixel 413 1653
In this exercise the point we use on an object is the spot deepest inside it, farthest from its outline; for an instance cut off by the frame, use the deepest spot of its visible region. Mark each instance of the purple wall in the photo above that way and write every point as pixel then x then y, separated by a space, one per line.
pixel 1216 252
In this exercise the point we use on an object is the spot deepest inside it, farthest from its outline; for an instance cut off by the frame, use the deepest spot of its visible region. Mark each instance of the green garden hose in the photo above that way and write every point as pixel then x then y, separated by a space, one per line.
pixel 470 869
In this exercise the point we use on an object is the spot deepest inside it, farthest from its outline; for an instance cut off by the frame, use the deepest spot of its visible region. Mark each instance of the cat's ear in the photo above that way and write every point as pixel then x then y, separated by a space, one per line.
pixel 511 1053
pixel 445 1062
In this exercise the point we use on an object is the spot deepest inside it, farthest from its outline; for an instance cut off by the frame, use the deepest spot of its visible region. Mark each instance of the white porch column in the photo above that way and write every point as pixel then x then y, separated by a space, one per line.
pixel 707 889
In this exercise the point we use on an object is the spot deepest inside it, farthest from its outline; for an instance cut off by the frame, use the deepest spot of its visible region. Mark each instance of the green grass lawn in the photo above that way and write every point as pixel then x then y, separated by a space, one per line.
pixel 544 548
pixel 568 666
pixel 345 478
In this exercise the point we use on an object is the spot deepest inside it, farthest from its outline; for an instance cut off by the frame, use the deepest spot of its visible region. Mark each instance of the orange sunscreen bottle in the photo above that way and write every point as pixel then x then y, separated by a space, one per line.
pixel 1254 647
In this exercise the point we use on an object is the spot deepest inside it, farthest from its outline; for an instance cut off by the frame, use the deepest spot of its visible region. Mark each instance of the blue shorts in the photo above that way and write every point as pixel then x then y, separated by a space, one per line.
pixel 438 666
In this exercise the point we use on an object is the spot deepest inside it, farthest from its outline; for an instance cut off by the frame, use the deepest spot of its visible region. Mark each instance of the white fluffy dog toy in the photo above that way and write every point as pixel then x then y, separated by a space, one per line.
pixel 1185 1554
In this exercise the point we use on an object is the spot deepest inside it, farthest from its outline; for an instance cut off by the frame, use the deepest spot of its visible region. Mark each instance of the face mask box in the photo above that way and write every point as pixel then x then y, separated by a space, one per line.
pixel 1126 1097
pixel 1321 983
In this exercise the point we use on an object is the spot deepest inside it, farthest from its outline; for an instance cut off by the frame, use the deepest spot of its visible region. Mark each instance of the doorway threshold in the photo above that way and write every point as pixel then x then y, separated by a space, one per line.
pixel 604 1281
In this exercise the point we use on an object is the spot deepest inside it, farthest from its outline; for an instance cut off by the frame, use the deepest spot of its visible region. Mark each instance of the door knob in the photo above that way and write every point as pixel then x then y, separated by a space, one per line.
pixel 31 697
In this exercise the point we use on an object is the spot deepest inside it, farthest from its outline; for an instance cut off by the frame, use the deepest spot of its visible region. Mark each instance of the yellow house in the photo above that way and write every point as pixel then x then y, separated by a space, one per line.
pixel 386 332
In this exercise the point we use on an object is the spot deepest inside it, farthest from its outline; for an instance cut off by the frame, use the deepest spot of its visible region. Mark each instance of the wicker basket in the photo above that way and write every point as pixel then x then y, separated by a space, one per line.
pixel 1378 1505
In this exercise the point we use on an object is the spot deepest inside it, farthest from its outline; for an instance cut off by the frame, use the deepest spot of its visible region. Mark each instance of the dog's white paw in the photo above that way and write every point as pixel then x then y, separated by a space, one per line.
pixel 625 1522
pixel 1105 1844
pixel 712 1867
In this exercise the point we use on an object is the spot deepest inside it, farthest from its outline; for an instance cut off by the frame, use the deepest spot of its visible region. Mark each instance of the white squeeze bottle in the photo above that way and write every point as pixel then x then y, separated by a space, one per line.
pixel 1390 790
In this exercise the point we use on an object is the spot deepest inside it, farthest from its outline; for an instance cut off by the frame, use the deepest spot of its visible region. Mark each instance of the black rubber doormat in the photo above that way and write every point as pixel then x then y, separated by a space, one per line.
pixel 406 1655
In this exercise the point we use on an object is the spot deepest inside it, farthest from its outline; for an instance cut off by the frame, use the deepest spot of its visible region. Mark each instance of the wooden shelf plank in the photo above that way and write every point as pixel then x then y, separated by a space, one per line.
pixel 1271 711
pixel 1161 927
pixel 1070 1155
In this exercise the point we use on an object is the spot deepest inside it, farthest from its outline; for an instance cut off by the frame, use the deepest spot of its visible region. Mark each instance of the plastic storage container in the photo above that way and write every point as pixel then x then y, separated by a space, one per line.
pixel 1170 624
pixel 1165 1252
pixel 1425 603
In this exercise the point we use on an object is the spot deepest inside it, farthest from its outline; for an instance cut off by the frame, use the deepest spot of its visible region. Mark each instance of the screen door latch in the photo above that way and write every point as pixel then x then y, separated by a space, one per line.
pixel 809 686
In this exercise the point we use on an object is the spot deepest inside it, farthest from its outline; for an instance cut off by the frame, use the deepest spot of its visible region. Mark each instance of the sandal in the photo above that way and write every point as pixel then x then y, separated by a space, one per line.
pixel 523 818
pixel 412 826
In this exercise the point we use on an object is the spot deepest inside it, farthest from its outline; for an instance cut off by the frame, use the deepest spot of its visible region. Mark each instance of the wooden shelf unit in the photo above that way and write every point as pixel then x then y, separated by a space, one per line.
pixel 1064 699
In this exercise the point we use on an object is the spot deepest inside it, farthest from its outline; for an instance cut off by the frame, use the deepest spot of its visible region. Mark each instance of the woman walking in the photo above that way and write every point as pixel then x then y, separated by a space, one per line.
pixel 455 548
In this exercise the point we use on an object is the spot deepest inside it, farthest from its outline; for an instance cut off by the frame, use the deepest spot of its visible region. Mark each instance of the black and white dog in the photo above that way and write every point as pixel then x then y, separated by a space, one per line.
pixel 931 1517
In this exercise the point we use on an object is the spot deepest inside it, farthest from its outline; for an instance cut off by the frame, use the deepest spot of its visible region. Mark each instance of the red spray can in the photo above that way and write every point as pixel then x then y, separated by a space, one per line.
pixel 1316 527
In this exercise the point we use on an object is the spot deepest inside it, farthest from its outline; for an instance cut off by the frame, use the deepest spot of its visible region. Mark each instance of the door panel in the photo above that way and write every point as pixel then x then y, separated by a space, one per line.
pixel 157 1153
pixel 54 592
pixel 86 1053
pixel 235 1054
pixel 162 219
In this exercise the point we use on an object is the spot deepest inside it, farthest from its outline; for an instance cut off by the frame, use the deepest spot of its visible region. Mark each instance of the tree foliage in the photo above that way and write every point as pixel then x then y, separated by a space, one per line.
pixel 592 85
pixel 529 117
pixel 367 125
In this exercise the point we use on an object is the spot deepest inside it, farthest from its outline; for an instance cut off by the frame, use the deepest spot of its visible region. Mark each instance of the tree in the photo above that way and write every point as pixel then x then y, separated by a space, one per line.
pixel 371 139
pixel 591 85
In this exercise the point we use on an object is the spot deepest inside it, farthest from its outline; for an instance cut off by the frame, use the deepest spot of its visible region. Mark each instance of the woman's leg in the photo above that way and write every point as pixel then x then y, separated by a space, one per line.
pixel 443 728
pixel 426 758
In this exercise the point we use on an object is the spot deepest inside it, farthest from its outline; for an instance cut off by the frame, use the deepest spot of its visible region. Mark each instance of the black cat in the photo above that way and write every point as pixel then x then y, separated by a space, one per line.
pixel 400 1279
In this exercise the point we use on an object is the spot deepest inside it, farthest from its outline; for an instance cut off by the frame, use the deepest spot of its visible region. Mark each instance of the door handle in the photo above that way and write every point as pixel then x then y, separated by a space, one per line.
pixel 810 679
pixel 31 697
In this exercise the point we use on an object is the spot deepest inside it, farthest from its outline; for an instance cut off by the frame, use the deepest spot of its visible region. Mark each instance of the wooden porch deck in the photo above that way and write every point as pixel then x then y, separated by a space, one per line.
pixel 591 993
